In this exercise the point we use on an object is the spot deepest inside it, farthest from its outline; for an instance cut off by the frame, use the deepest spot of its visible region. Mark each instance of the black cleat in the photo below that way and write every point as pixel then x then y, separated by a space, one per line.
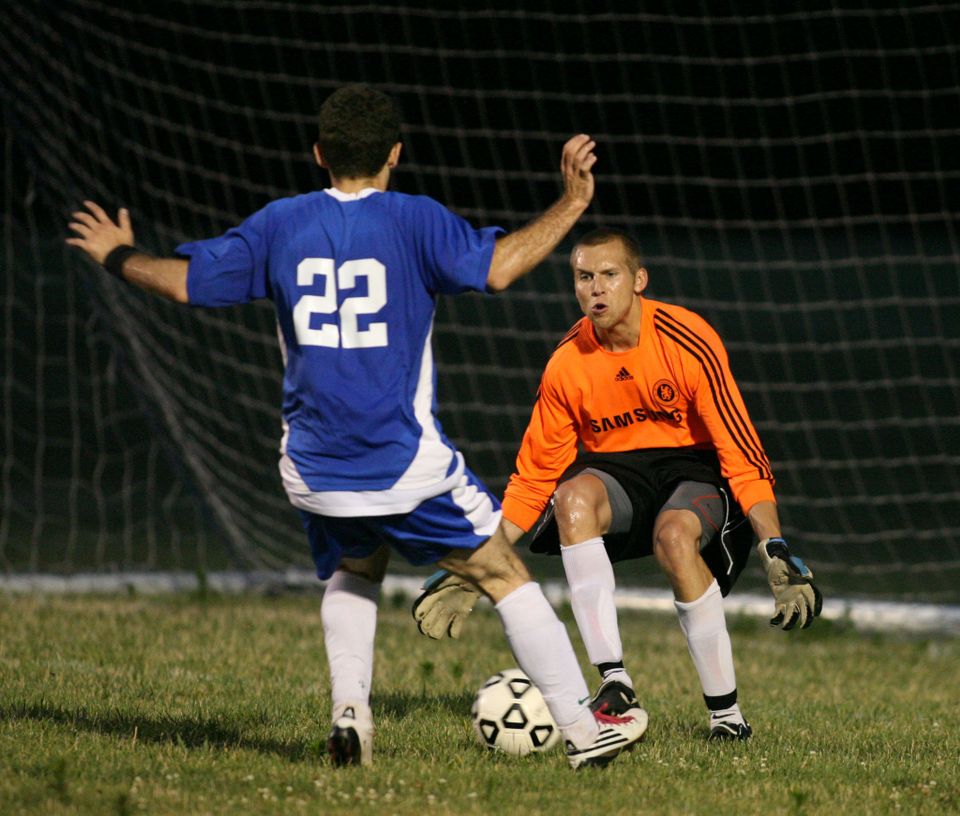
pixel 727 730
pixel 613 698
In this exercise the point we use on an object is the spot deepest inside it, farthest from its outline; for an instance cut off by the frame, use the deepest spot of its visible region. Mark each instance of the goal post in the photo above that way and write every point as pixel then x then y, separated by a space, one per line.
pixel 792 175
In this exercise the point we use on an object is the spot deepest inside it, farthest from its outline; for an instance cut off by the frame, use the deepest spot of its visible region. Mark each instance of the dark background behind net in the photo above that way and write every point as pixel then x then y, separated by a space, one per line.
pixel 792 175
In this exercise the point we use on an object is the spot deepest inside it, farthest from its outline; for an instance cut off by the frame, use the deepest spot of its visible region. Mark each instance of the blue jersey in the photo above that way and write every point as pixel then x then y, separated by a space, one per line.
pixel 354 279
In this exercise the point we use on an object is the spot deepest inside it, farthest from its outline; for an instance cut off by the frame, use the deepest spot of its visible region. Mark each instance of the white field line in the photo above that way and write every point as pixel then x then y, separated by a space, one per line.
pixel 867 615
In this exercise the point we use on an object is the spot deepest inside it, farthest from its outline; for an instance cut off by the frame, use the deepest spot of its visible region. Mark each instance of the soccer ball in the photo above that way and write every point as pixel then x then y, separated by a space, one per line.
pixel 510 715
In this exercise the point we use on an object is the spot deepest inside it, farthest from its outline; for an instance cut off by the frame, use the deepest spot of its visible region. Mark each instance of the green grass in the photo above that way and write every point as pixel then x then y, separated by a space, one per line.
pixel 220 705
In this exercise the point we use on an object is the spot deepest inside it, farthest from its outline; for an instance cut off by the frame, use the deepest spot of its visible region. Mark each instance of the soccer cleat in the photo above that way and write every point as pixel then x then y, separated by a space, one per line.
pixel 613 697
pixel 616 734
pixel 351 738
pixel 728 728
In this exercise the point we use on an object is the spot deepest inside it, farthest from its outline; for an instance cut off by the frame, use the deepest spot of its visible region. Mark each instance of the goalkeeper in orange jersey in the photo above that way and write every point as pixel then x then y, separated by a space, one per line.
pixel 669 465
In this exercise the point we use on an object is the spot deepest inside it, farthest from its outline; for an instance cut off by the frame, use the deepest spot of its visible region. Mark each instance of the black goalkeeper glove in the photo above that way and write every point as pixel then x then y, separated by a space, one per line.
pixel 796 597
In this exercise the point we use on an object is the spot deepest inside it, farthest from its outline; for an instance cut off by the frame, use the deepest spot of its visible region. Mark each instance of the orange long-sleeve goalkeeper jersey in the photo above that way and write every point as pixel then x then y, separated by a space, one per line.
pixel 673 390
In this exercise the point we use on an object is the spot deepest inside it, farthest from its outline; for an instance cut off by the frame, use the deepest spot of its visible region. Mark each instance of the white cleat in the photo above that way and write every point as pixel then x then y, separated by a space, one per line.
pixel 351 738
pixel 617 733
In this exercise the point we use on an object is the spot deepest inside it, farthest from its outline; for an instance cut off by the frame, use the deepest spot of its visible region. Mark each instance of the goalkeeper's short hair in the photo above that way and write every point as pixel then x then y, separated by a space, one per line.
pixel 358 126
pixel 600 235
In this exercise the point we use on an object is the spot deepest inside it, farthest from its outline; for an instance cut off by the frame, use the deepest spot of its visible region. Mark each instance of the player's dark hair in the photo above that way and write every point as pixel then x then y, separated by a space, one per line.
pixel 600 235
pixel 358 126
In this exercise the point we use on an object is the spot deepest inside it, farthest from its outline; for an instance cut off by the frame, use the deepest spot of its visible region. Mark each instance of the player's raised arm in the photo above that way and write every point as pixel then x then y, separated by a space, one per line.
pixel 519 252
pixel 110 244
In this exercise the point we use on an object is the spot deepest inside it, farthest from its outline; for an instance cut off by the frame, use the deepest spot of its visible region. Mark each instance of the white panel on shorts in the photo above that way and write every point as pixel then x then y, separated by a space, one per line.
pixel 477 507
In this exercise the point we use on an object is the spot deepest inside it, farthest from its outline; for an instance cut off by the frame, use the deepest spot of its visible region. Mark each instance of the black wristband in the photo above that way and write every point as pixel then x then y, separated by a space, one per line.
pixel 113 263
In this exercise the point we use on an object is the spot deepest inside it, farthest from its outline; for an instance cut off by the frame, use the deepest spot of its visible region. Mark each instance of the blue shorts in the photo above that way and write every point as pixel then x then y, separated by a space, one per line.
pixel 463 518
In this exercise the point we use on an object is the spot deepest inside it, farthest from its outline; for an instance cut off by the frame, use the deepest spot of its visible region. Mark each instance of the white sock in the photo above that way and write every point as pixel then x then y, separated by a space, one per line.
pixel 705 626
pixel 349 614
pixel 543 650
pixel 620 675
pixel 732 714
pixel 590 576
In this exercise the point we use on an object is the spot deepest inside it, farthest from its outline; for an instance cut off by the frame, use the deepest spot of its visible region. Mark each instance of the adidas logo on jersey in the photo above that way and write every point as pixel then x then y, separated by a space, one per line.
pixel 622 375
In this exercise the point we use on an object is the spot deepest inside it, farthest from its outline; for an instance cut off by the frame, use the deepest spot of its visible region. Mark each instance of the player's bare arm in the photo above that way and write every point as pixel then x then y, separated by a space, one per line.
pixel 765 520
pixel 519 252
pixel 97 234
pixel 511 531
pixel 449 598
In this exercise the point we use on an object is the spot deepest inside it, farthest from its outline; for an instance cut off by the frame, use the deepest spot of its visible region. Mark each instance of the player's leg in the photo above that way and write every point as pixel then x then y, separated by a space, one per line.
pixel 349 615
pixel 537 637
pixel 354 562
pixel 461 532
pixel 543 650
pixel 692 517
pixel 587 507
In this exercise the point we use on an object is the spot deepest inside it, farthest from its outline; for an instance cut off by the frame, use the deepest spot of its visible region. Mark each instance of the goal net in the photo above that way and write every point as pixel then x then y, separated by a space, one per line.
pixel 792 175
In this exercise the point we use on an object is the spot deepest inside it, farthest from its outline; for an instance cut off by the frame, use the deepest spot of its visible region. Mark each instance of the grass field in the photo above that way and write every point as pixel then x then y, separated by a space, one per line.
pixel 194 705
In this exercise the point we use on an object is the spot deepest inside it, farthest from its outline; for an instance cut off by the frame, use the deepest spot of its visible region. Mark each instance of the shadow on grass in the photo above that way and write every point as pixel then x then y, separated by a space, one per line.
pixel 189 732
pixel 820 629
pixel 205 732
pixel 404 703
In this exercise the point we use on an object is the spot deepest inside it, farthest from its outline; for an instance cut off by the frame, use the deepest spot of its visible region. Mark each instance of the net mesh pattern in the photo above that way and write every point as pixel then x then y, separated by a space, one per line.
pixel 791 175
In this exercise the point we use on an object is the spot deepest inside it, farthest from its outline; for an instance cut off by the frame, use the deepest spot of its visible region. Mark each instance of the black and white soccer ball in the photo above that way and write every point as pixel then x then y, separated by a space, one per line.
pixel 510 715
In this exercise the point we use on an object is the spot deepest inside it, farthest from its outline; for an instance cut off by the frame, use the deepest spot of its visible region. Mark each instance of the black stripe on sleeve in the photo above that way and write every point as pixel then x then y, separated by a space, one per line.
pixel 738 426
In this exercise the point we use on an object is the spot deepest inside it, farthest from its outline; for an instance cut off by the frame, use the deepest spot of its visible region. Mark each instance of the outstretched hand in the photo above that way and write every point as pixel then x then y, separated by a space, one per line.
pixel 99 234
pixel 576 164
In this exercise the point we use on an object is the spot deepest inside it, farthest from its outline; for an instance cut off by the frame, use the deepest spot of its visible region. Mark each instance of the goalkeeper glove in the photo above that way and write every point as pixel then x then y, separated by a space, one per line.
pixel 445 605
pixel 796 597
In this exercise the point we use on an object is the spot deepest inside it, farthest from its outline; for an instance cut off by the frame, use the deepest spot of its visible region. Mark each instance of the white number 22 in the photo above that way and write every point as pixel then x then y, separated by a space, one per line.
pixel 348 333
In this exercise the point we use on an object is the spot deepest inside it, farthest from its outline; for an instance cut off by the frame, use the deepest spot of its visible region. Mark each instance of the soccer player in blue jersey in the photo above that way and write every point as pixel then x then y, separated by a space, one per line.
pixel 354 272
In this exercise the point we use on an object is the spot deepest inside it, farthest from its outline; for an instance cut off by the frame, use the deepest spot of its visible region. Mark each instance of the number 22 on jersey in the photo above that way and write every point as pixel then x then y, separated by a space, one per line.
pixel 346 332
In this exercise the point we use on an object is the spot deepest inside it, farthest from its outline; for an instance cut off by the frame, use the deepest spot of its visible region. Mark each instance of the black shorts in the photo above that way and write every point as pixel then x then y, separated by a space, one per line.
pixel 649 478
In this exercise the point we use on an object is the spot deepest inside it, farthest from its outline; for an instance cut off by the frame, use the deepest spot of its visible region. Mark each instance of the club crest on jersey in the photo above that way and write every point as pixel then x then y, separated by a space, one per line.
pixel 665 392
